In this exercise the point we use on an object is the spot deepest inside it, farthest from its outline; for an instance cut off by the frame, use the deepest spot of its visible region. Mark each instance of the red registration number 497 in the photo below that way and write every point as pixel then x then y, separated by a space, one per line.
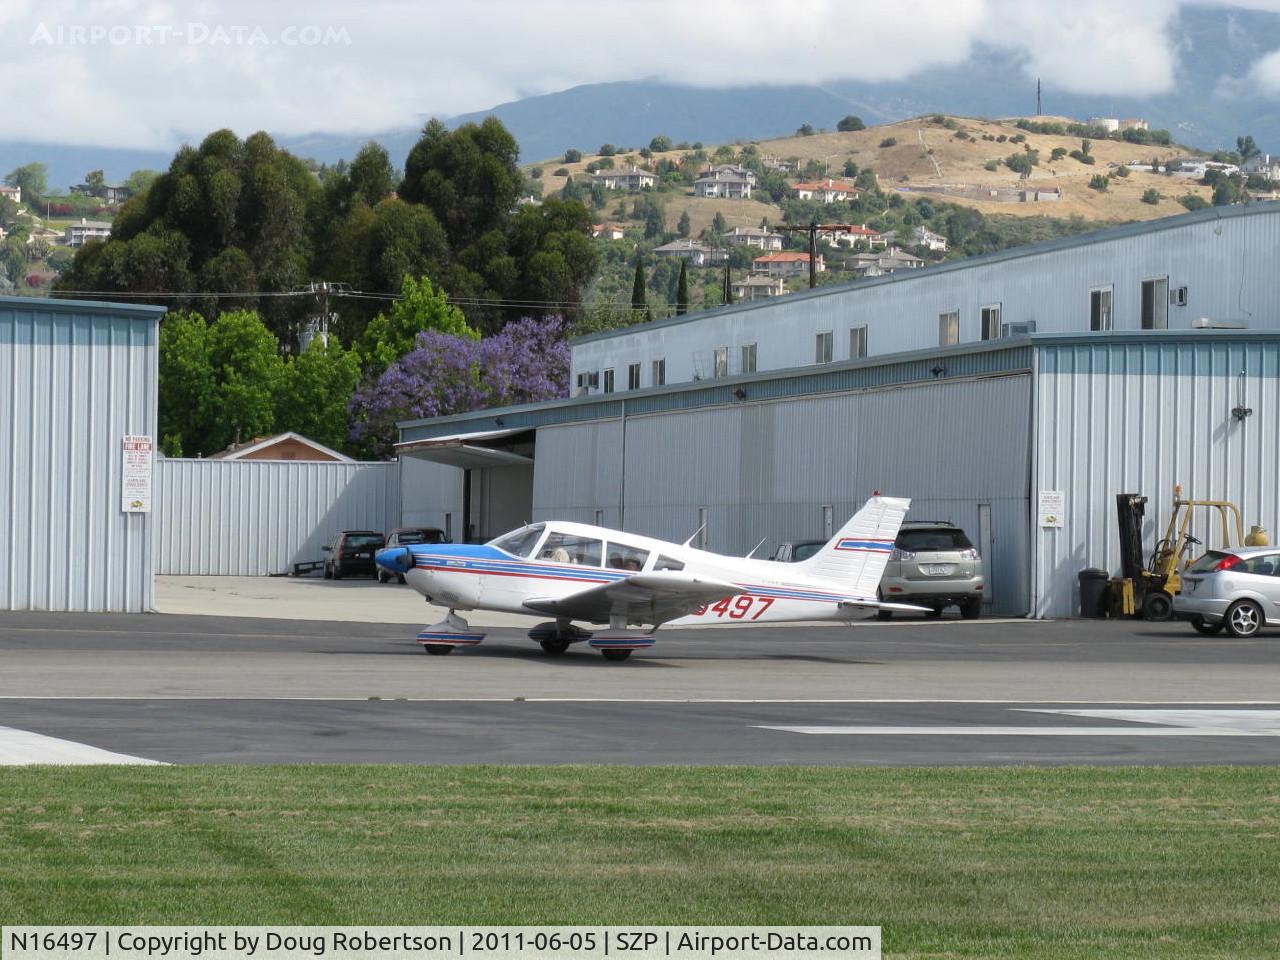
pixel 737 608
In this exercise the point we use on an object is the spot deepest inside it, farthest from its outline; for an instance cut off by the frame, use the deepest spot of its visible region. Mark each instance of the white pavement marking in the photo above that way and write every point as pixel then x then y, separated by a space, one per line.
pixel 23 748
pixel 391 698
pixel 1175 723
pixel 1256 723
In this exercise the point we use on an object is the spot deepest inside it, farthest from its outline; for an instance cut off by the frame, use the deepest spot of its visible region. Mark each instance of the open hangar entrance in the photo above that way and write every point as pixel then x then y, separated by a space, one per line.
pixel 495 489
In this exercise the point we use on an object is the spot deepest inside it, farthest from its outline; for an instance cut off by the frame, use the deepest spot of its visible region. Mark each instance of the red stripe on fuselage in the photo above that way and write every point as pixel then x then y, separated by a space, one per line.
pixel 527 576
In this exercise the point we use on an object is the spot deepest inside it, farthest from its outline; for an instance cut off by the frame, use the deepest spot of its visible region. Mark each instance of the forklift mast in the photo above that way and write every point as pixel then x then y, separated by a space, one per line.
pixel 1130 509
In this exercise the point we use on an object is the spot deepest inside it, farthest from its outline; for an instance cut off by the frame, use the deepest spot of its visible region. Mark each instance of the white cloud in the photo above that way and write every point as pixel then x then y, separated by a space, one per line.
pixel 387 63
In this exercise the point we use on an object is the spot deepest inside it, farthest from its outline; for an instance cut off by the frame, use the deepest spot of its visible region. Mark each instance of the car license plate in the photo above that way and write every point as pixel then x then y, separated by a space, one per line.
pixel 937 569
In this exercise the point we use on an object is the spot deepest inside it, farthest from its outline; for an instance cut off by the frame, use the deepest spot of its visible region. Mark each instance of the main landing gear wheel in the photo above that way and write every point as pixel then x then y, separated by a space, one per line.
pixel 555 646
pixel 615 655
pixel 438 649
pixel 883 614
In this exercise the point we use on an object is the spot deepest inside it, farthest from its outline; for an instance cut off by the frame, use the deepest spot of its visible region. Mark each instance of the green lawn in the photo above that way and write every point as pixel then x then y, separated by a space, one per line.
pixel 953 863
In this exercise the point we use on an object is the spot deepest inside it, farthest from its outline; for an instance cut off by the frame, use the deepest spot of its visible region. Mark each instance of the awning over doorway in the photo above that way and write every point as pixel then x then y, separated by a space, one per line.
pixel 471 451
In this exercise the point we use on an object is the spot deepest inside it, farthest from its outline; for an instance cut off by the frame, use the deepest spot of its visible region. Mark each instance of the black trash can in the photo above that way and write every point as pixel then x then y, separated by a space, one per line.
pixel 1093 592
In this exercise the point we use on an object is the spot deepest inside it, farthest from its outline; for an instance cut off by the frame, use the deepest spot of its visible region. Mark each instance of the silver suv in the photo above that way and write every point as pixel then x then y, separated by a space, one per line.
pixel 1238 589
pixel 933 564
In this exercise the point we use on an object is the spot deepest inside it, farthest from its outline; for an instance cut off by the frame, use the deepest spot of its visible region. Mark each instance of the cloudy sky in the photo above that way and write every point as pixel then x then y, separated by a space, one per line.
pixel 146 73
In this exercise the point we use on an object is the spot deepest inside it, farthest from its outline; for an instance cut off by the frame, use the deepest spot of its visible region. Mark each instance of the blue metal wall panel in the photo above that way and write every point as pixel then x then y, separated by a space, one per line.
pixel 258 517
pixel 1138 419
pixel 75 378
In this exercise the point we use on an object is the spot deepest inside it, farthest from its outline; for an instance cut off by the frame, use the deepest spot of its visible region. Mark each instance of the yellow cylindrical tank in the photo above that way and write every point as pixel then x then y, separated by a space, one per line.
pixel 1257 537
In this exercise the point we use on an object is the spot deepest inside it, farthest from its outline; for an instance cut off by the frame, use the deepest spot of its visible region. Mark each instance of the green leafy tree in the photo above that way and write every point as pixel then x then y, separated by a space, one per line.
pixel 138 181
pixel 719 225
pixel 607 150
pixel 638 299
pixel 1099 182
pixel 572 156
pixel 94 178
pixel 727 292
pixel 1151 195
pixel 660 144
pixel 1193 201
pixel 654 222
pixel 1246 148
pixel 467 177
pixel 314 390
pixel 31 178
pixel 187 383
pixel 247 369
pixel 888 142
pixel 683 226
pixel 682 288
pixel 390 335
pixel 850 124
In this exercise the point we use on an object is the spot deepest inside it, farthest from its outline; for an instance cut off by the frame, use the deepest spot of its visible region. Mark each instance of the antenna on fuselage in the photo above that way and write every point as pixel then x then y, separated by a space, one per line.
pixel 754 549
pixel 693 535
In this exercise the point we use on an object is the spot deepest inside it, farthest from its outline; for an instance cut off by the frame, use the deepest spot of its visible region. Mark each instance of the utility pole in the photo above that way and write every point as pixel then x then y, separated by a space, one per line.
pixel 321 290
pixel 1038 96
pixel 812 229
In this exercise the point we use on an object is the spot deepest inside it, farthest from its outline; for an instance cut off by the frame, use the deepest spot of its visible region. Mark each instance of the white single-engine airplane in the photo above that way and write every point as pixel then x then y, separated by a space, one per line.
pixel 572 571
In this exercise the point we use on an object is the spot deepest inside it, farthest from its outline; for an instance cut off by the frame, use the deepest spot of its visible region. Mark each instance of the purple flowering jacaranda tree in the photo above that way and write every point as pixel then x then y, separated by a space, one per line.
pixel 526 362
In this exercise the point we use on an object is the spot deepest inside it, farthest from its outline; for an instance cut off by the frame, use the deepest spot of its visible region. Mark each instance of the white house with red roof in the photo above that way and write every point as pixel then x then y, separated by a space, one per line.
pixel 826 191
pixel 785 264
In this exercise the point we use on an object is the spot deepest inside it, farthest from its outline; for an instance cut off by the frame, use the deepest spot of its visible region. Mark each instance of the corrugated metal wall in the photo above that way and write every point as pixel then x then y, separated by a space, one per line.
pixel 765 469
pixel 1224 257
pixel 431 496
pixel 1137 418
pixel 75 378
pixel 256 517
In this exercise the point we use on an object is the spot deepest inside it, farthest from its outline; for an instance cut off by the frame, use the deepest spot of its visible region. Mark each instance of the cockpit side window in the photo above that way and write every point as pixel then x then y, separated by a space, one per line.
pixel 571 548
pixel 519 543
pixel 623 557
pixel 666 563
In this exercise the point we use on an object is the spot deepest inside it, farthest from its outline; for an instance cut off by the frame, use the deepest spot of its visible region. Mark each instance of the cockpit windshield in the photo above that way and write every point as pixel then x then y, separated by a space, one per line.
pixel 520 543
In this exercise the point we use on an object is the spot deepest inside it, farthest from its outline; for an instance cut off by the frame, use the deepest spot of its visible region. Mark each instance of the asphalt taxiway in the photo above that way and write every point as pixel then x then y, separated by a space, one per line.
pixel 199 689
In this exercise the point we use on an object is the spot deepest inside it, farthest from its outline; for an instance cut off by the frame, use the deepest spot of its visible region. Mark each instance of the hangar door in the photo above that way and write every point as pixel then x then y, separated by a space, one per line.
pixel 497 467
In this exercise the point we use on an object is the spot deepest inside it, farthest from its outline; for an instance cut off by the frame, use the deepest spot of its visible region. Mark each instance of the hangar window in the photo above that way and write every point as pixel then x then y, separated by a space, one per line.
pixel 633 376
pixel 659 372
pixel 991 322
pixel 1155 304
pixel 608 381
pixel 823 352
pixel 722 362
pixel 857 343
pixel 948 328
pixel 749 358
pixel 1100 308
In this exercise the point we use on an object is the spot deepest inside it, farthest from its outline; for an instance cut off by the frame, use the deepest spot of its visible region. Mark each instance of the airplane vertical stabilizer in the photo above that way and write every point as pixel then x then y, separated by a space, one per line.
pixel 857 555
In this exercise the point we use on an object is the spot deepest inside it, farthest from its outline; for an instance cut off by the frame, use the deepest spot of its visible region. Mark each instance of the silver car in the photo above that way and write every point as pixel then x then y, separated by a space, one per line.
pixel 1237 588
pixel 934 565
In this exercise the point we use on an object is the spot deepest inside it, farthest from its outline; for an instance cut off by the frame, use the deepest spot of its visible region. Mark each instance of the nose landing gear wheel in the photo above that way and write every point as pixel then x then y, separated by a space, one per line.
pixel 438 649
pixel 615 655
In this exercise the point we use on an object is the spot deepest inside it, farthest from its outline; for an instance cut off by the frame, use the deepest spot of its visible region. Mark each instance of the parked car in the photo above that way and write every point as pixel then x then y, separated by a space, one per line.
pixel 403 536
pixel 934 565
pixel 1237 588
pixel 793 551
pixel 352 554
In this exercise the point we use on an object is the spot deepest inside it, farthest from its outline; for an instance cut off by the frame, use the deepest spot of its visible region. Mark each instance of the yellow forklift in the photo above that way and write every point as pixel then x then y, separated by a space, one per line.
pixel 1148 588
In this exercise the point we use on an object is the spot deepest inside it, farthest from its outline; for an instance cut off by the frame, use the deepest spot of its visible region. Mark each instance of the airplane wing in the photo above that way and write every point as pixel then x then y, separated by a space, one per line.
pixel 643 598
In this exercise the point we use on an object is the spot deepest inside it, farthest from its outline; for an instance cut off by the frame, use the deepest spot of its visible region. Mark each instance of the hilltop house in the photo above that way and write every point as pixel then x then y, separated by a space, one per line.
pixel 787 264
pixel 880 264
pixel 109 192
pixel 695 251
pixel 78 234
pixel 11 193
pixel 1040 194
pixel 924 237
pixel 760 237
pixel 1263 165
pixel 758 287
pixel 847 236
pixel 725 182
pixel 826 191
pixel 632 180
pixel 610 231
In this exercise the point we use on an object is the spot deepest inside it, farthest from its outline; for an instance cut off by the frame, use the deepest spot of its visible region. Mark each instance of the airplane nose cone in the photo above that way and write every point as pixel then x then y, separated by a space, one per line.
pixel 395 559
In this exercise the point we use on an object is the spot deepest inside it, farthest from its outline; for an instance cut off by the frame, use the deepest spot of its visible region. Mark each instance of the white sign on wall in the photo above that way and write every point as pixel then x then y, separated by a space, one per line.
pixel 1052 508
pixel 135 490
